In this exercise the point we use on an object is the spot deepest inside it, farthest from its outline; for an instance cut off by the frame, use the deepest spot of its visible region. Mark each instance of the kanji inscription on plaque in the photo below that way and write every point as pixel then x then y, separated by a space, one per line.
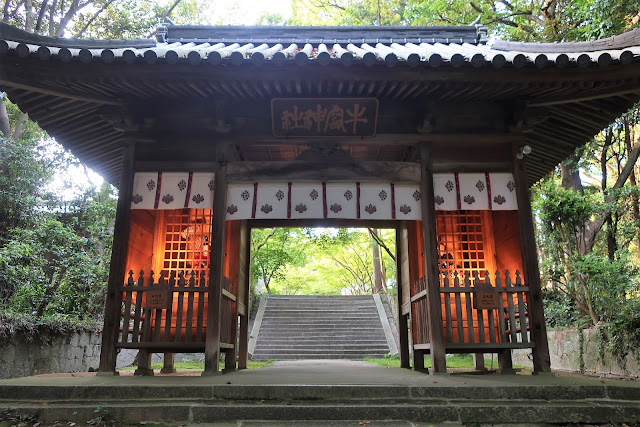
pixel 486 298
pixel 332 117
pixel 157 298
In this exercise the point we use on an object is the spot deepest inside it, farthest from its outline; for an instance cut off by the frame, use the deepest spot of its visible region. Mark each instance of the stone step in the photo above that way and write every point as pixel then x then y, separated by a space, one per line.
pixel 265 340
pixel 320 319
pixel 318 346
pixel 311 322
pixel 323 335
pixel 319 356
pixel 423 411
pixel 191 401
pixel 319 313
pixel 319 350
pixel 326 327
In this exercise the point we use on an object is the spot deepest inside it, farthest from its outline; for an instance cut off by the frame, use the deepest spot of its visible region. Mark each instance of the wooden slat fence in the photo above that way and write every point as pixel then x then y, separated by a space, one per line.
pixel 466 325
pixel 169 314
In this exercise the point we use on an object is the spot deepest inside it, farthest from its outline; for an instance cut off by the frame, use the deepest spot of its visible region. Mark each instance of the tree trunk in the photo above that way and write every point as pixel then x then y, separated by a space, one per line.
pixel 5 127
pixel 632 179
pixel 377 270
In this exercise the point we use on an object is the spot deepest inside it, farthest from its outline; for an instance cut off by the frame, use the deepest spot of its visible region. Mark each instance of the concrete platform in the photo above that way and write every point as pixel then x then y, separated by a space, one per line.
pixel 325 390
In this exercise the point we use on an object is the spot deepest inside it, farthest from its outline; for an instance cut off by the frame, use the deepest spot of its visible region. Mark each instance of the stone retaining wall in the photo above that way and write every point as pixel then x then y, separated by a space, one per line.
pixel 51 354
pixel 575 350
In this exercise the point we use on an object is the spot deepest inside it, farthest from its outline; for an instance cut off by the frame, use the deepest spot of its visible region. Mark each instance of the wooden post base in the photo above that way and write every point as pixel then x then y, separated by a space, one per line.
pixel 168 367
pixel 418 361
pixel 144 364
pixel 230 360
pixel 478 362
pixel 505 363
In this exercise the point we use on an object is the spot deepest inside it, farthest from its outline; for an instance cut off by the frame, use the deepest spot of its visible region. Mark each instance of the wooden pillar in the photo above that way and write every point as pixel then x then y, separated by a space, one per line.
pixel 243 282
pixel 168 364
pixel 216 274
pixel 232 257
pixel 144 363
pixel 505 362
pixel 434 314
pixel 111 328
pixel 402 276
pixel 531 273
pixel 478 362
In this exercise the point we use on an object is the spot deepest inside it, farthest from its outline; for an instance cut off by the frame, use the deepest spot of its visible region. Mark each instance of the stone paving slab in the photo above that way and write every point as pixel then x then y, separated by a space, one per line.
pixel 322 372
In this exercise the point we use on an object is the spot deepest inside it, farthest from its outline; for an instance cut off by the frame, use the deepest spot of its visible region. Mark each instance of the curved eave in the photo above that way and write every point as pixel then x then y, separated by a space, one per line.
pixel 66 91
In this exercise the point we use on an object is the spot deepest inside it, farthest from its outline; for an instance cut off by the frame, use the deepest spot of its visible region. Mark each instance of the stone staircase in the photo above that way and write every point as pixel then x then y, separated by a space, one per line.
pixel 320 327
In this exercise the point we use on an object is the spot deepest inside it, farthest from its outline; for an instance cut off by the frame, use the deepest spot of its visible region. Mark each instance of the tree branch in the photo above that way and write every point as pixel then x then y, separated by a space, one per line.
pixel 275 230
pixel 43 9
pixel 381 243
pixel 93 18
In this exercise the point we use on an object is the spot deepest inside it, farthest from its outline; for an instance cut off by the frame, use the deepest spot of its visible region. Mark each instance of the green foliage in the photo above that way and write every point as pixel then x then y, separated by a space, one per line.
pixel 349 12
pixel 272 250
pixel 13 324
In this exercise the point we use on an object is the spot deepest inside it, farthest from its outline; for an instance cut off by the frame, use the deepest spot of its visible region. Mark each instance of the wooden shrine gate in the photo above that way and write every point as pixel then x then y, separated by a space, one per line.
pixel 165 300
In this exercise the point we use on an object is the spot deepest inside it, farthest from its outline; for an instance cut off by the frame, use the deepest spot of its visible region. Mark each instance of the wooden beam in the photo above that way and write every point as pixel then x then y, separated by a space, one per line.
pixel 326 222
pixel 434 314
pixel 216 276
pixel 32 87
pixel 142 166
pixel 606 93
pixel 402 275
pixel 531 273
pixel 396 172
pixel 117 268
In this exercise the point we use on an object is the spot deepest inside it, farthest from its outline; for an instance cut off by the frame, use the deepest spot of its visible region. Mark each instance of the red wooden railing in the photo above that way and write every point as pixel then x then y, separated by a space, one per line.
pixel 171 314
pixel 466 324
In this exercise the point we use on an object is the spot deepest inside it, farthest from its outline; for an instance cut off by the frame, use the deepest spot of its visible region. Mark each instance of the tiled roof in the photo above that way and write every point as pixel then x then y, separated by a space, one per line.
pixel 65 87
pixel 402 46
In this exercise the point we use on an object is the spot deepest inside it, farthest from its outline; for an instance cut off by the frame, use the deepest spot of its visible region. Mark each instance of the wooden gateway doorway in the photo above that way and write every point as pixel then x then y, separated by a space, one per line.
pixel 480 303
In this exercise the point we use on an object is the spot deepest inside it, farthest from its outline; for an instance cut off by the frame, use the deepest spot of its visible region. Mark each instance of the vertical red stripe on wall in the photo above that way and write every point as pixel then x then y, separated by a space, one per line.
pixel 358 198
pixel 158 185
pixel 488 189
pixel 186 199
pixel 324 199
pixel 458 191
pixel 289 202
pixel 255 200
pixel 393 201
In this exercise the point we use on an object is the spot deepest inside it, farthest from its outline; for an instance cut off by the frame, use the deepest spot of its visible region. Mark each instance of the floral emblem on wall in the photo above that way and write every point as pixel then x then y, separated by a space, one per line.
pixel 499 199
pixel 439 200
pixel 198 198
pixel 314 194
pixel 382 195
pixel 348 195
pixel 370 209
pixel 280 195
pixel 511 186
pixel 449 186
pixel 151 185
pixel 301 208
pixel 405 209
pixel 266 208
pixel 182 185
pixel 417 195
pixel 245 195
pixel 167 198
pixel 480 186
pixel 469 199
pixel 136 199
pixel 211 185
pixel 232 209
pixel 335 208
